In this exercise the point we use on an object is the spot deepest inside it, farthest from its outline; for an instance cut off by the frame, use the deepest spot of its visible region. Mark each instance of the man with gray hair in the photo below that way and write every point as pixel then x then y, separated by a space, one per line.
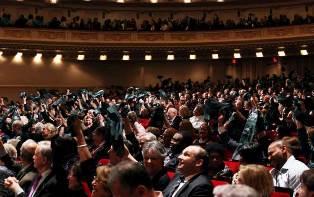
pixel 45 184
pixel 154 154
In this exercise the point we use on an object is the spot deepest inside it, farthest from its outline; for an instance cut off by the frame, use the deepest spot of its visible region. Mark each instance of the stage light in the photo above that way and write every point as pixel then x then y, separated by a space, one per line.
pixel 259 54
pixel 1 53
pixel 54 1
pixel 154 1
pixel 120 1
pixel 57 59
pixel 148 57
pixel 80 57
pixel 103 57
pixel 304 52
pixel 281 53
pixel 170 57
pixel 187 1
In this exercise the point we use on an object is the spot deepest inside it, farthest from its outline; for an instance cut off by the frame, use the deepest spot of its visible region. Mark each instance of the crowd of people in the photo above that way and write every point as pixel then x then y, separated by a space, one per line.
pixel 173 139
pixel 170 23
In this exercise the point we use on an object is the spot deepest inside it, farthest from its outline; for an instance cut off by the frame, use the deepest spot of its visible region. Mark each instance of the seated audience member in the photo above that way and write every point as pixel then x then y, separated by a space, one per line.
pixel 192 179
pixel 45 183
pixel 166 137
pixel 257 177
pixel 204 136
pixel 198 117
pixel 234 191
pixel 179 141
pixel 101 140
pixel 75 179
pixel 49 131
pixel 25 170
pixel 154 154
pixel 138 129
pixel 173 119
pixel 216 166
pixel 100 182
pixel 286 170
pixel 131 179
pixel 5 172
pixel 307 184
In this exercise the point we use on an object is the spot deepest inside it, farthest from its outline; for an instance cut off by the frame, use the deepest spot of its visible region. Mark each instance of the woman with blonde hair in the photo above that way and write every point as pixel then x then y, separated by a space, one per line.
pixel 257 177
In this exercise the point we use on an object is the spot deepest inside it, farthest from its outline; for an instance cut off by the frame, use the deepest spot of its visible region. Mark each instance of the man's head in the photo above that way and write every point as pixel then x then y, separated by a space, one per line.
pixel 27 151
pixel 154 154
pixel 180 140
pixel 307 184
pixel 43 156
pixel 49 131
pixel 172 113
pixel 278 154
pixel 193 160
pixel 130 179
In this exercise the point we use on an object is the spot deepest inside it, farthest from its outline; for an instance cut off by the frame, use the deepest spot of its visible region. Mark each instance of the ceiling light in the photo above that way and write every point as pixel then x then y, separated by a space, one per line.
pixel 120 1
pixel 237 55
pixel 81 57
pixel 54 1
pixel 170 57
pixel 57 59
pixel 154 1
pixel 187 1
pixel 220 0
pixel 148 57
pixel 192 57
pixel 125 57
pixel 18 57
pixel 215 56
pixel 1 53
pixel 38 58
pixel 304 52
pixel 103 57
pixel 259 54
pixel 281 53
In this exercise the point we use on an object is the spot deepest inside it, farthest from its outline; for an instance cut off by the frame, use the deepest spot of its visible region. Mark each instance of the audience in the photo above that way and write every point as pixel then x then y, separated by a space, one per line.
pixel 101 133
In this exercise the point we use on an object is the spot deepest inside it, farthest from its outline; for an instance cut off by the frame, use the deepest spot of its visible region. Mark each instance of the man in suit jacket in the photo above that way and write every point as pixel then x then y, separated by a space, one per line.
pixel 24 170
pixel 192 179
pixel 45 184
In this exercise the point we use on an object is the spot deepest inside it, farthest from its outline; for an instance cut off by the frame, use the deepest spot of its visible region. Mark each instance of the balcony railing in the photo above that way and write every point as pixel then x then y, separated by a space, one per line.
pixel 208 38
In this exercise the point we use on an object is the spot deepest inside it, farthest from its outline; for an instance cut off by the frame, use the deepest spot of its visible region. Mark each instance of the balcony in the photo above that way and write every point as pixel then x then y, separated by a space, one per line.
pixel 222 38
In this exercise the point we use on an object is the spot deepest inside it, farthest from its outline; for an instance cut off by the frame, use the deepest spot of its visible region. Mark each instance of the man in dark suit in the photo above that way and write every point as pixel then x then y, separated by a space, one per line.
pixel 45 184
pixel 192 179
pixel 24 170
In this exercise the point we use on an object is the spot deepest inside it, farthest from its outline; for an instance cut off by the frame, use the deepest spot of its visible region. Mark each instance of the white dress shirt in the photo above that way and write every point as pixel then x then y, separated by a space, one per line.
pixel 289 174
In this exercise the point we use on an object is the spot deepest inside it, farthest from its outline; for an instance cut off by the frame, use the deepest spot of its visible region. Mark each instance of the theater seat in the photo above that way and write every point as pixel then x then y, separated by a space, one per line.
pixel 233 165
pixel 170 175
pixel 280 194
pixel 218 182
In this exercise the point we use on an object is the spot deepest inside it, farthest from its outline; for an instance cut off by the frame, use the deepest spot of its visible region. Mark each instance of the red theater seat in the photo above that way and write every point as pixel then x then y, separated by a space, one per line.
pixel 218 182
pixel 233 165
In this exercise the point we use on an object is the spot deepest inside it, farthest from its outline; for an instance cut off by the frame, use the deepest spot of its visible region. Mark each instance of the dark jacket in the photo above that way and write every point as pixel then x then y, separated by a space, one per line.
pixel 199 186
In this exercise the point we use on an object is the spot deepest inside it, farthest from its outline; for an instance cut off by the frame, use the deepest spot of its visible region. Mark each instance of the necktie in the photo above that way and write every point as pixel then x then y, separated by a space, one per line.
pixel 176 185
pixel 34 186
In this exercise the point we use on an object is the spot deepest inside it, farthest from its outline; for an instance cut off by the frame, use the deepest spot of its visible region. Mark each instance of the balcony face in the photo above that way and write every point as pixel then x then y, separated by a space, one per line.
pixel 159 39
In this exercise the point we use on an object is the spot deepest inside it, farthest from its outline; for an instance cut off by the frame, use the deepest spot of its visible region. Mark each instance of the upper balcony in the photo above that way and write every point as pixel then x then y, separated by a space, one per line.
pixel 31 37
